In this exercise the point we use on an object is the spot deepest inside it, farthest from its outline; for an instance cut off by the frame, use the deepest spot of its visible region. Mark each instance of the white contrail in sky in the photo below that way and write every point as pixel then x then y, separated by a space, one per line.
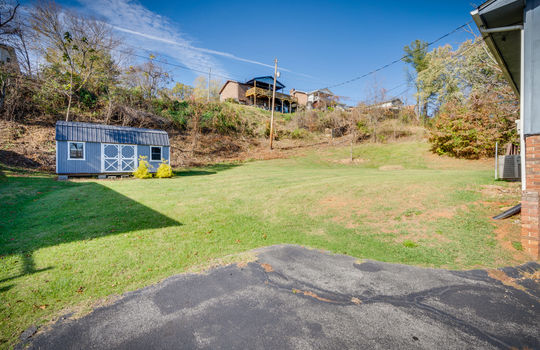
pixel 151 30
pixel 130 17
pixel 208 51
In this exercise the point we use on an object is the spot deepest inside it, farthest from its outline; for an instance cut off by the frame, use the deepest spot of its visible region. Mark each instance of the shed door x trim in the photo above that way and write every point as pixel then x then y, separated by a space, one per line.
pixel 117 158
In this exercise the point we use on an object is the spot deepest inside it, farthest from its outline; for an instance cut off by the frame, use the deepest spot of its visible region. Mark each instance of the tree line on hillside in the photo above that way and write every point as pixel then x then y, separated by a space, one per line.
pixel 74 67
pixel 464 97
pixel 71 65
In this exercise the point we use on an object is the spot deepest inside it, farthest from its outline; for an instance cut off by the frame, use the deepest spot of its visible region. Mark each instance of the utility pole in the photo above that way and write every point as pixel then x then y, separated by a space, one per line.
pixel 209 77
pixel 273 105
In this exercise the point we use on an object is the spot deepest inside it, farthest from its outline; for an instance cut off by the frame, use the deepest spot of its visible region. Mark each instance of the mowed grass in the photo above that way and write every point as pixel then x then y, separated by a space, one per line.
pixel 66 245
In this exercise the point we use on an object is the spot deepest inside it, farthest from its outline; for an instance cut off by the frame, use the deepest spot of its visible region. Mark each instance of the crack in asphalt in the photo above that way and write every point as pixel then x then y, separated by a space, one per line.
pixel 408 300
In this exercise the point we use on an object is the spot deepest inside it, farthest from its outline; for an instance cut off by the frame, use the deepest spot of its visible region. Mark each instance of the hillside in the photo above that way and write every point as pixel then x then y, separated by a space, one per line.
pixel 230 132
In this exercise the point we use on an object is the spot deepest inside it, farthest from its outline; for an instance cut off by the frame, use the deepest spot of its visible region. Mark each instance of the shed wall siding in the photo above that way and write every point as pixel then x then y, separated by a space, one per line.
pixel 92 162
pixel 531 55
pixel 144 150
pixel 90 165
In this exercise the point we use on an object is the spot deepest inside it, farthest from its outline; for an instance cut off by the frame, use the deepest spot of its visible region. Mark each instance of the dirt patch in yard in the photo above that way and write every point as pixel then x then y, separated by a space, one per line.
pixel 446 213
pixel 349 161
pixel 391 167
pixel 508 234
pixel 414 224
pixel 496 191
pixel 440 213
pixel 335 202
pixel 317 232
pixel 407 223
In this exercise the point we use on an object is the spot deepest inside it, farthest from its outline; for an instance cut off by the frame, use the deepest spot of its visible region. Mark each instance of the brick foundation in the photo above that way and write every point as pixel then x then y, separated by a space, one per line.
pixel 530 226
pixel 530 200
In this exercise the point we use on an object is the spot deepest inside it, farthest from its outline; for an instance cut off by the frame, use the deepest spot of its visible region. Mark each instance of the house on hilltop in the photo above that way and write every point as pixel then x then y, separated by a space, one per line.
pixel 321 99
pixel 395 104
pixel 258 92
pixel 301 96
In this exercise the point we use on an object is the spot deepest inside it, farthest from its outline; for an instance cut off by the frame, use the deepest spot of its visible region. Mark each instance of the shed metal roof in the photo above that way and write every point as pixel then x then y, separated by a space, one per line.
pixel 90 132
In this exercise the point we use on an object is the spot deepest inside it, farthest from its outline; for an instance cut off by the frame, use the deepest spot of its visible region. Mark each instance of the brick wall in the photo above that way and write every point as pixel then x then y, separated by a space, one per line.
pixel 530 201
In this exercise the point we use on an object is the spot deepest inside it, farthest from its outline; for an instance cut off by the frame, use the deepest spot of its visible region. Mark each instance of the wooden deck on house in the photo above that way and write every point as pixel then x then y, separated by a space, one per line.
pixel 258 92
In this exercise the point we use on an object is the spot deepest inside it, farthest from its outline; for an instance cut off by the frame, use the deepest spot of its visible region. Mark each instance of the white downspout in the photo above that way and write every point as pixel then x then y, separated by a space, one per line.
pixel 522 145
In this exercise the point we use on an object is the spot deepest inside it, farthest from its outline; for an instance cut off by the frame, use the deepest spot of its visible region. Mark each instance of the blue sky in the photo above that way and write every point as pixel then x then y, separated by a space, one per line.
pixel 318 43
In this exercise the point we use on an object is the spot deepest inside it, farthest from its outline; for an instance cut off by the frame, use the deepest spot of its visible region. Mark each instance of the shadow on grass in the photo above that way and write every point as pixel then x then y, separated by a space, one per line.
pixel 5 289
pixel 28 268
pixel 14 159
pixel 207 170
pixel 40 212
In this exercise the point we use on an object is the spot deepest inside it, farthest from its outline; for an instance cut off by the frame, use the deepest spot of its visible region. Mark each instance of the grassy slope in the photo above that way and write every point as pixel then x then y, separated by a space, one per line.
pixel 64 244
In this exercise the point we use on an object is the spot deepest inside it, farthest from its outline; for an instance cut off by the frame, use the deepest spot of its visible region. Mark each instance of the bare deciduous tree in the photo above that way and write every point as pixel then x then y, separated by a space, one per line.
pixel 73 44
pixel 149 77
pixel 8 13
pixel 200 90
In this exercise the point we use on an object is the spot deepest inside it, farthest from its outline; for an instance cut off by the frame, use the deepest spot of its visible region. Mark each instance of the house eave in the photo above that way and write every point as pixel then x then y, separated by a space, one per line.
pixel 490 43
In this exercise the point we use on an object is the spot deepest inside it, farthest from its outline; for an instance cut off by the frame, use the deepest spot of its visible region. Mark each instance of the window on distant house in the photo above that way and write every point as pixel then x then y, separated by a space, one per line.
pixel 76 150
pixel 155 153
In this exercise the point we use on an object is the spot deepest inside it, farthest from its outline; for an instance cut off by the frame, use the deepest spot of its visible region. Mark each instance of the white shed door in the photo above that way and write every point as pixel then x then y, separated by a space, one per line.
pixel 117 158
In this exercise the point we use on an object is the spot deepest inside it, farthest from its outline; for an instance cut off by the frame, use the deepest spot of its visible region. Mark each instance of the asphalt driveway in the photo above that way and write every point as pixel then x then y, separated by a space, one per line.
pixel 297 298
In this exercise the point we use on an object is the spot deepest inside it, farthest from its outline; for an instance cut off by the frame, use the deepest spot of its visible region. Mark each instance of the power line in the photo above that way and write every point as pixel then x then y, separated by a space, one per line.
pixel 395 61
pixel 397 86
pixel 401 93
pixel 450 61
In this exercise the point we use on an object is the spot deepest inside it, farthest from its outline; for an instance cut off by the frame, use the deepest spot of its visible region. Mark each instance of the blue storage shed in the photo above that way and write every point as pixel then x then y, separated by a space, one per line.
pixel 88 148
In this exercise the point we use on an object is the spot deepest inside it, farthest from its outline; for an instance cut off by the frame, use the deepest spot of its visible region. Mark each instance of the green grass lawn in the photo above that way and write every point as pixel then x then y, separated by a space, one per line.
pixel 66 245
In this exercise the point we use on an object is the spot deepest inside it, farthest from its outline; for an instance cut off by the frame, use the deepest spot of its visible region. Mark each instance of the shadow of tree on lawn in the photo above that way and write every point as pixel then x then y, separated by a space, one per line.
pixel 56 213
pixel 14 159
